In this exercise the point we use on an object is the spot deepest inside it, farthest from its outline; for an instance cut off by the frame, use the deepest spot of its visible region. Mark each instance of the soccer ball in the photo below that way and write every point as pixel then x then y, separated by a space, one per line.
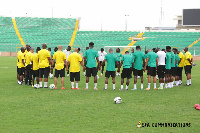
pixel 52 86
pixel 117 100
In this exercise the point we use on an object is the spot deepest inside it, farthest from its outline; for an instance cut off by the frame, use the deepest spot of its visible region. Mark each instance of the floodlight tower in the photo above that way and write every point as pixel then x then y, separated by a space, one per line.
pixel 126 22
pixel 52 12
pixel 161 13
pixel 101 24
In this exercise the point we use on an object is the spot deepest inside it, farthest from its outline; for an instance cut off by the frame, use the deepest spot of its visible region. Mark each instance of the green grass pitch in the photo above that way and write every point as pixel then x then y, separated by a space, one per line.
pixel 25 109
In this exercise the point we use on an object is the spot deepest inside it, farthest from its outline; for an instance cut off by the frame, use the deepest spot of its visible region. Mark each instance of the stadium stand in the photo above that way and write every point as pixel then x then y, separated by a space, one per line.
pixel 18 33
pixel 64 31
pixel 74 33
pixel 35 31
pixel 53 31
pixel 174 39
pixel 103 38
pixel 8 37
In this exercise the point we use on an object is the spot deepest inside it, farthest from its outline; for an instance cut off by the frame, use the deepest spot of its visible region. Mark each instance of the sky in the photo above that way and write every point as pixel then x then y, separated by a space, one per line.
pixel 102 14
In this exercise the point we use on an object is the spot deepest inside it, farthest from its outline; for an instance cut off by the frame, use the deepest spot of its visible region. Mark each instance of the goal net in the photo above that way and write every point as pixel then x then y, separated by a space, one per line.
pixel 123 49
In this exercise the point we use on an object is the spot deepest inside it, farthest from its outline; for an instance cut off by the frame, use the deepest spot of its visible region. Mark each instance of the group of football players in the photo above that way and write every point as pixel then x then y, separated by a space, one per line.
pixel 167 63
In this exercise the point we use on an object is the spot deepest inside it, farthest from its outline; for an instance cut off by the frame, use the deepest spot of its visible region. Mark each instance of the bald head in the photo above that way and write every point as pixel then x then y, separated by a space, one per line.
pixel 31 50
pixel 27 46
pixel 76 50
pixel 110 50
pixel 44 45
pixel 60 47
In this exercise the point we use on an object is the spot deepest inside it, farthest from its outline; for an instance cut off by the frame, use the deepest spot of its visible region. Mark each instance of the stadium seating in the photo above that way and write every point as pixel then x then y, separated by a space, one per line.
pixel 103 38
pixel 8 37
pixel 53 31
pixel 35 31
pixel 174 39
pixel 59 31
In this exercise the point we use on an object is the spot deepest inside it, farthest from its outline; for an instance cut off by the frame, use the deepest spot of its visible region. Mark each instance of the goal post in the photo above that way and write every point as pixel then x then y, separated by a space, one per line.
pixel 122 48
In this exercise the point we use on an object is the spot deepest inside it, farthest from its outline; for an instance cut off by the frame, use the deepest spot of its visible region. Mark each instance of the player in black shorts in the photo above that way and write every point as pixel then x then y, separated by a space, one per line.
pixel 161 67
pixel 44 61
pixel 60 58
pixel 91 56
pixel 152 62
pixel 139 60
pixel 74 59
pixel 110 68
pixel 188 65
pixel 21 65
pixel 127 62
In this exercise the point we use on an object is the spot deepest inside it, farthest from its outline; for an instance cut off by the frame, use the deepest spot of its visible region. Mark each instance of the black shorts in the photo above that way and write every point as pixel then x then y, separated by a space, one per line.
pixel 59 72
pixel 44 71
pixel 74 75
pixel 21 71
pixel 161 71
pixel 172 71
pixel 17 70
pixel 36 73
pixel 176 71
pixel 188 69
pixel 110 73
pixel 126 73
pixel 116 64
pixel 137 72
pixel 167 71
pixel 152 71
pixel 180 70
pixel 91 71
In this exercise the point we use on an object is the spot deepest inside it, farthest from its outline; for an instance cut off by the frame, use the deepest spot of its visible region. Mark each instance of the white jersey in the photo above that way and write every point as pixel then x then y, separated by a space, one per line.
pixel 161 57
pixel 67 53
pixel 101 55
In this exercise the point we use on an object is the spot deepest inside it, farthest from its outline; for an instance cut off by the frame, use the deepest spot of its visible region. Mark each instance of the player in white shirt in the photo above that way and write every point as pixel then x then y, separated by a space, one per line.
pixel 101 54
pixel 161 67
pixel 67 52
